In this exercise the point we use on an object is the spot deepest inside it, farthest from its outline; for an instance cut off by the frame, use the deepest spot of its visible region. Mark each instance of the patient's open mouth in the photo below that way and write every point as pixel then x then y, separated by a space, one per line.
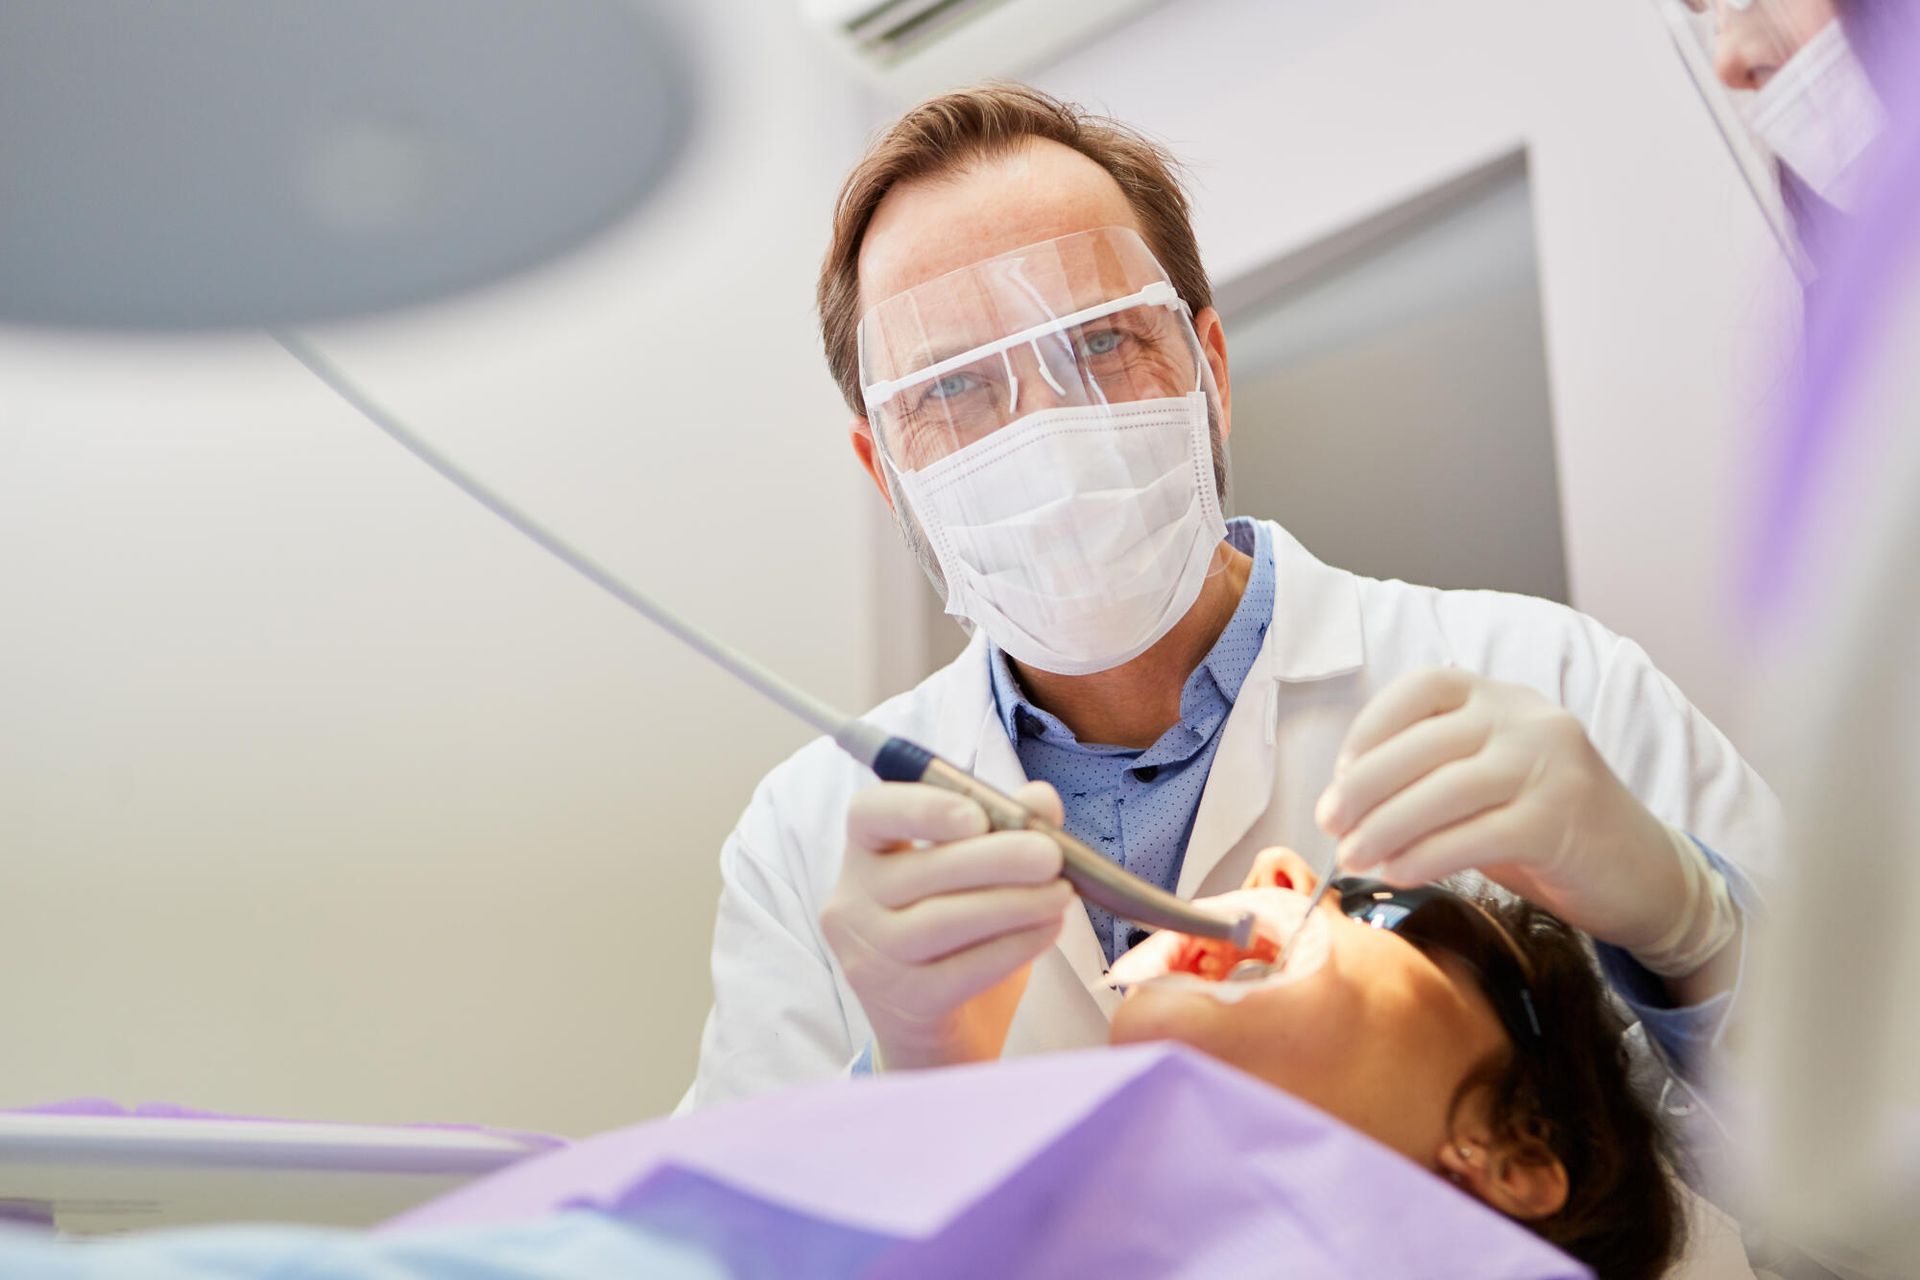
pixel 1214 958
pixel 1221 969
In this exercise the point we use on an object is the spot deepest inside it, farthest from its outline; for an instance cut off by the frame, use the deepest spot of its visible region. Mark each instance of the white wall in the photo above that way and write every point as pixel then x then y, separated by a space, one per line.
pixel 323 794
pixel 1412 371
pixel 1659 281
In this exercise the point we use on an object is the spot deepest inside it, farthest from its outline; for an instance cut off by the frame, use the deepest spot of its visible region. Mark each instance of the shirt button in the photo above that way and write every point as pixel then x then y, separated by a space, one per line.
pixel 1135 937
pixel 1146 772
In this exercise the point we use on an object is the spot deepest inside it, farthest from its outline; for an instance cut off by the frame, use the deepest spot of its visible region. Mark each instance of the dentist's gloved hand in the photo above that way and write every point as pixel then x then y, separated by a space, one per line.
pixel 1446 770
pixel 937 921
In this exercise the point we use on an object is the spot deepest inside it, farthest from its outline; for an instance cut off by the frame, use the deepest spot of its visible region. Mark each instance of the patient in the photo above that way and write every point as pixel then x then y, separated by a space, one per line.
pixel 1474 1040
pixel 1472 1036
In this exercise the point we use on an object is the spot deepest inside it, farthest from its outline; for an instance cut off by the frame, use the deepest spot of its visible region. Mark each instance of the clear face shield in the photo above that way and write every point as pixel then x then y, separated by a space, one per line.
pixel 1788 93
pixel 1049 421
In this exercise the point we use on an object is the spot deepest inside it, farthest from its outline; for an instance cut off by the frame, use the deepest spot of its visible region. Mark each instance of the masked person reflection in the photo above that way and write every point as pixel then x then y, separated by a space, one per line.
pixel 1014 307
pixel 1802 89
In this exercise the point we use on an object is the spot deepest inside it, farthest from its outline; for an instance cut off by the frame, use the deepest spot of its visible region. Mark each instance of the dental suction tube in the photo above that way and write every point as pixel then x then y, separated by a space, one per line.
pixel 894 759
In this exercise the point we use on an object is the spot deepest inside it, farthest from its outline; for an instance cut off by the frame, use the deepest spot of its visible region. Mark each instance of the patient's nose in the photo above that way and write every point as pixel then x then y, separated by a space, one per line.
pixel 1281 868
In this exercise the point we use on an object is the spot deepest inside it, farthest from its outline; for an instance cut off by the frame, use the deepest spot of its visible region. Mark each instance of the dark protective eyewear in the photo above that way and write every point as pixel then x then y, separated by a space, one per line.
pixel 1431 917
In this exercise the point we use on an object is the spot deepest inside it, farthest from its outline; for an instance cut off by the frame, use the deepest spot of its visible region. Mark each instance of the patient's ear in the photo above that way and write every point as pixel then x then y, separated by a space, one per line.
pixel 1279 868
pixel 1519 1176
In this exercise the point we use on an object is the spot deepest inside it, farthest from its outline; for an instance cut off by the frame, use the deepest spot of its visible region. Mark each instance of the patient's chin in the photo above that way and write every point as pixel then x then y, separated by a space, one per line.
pixel 1158 1014
pixel 1218 1030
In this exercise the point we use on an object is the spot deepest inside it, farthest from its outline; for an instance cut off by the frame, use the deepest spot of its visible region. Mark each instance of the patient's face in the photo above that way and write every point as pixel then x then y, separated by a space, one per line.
pixel 1380 1034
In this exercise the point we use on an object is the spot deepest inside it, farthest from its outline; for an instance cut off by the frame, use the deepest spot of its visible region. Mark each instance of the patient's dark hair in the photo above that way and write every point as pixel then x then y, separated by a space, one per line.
pixel 1571 1091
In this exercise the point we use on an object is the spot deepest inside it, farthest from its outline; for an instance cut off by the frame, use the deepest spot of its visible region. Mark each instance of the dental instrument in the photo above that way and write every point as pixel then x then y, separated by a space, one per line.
pixel 1313 904
pixel 1253 969
pixel 892 758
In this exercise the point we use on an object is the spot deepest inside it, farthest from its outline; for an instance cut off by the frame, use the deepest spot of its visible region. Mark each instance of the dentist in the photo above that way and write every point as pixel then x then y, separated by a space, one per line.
pixel 1014 307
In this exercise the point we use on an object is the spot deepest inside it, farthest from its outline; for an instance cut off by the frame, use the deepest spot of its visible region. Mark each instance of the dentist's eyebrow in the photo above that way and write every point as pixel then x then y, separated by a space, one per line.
pixel 926 354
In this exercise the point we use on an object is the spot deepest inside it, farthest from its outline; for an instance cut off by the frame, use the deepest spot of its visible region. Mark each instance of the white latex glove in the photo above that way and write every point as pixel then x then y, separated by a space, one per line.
pixel 1446 770
pixel 937 921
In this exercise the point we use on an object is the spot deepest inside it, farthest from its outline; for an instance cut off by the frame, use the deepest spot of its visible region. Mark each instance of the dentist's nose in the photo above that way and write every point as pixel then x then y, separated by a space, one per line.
pixel 1045 375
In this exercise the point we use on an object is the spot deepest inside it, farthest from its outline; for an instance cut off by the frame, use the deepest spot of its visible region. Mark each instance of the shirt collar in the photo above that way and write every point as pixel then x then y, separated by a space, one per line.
pixel 1224 668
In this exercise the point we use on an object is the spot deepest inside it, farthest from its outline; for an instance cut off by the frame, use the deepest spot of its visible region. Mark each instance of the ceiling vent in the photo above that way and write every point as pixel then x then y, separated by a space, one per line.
pixel 912 48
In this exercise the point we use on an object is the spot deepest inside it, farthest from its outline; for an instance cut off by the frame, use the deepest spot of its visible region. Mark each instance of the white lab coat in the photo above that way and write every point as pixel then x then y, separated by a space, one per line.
pixel 783 1012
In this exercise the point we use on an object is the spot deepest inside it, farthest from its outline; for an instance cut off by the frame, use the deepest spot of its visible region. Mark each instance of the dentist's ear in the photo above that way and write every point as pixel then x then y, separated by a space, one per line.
pixel 860 435
pixel 1279 868
pixel 1213 344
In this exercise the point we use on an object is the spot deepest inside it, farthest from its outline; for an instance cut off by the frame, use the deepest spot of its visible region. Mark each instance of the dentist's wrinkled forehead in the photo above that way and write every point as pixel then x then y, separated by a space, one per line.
pixel 1014 292
pixel 1027 193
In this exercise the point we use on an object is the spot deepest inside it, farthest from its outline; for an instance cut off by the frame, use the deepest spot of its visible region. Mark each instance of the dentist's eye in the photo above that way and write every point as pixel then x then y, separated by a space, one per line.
pixel 1101 342
pixel 953 384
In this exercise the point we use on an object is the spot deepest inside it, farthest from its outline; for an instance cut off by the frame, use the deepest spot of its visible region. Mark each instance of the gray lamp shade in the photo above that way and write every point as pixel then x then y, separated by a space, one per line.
pixel 206 163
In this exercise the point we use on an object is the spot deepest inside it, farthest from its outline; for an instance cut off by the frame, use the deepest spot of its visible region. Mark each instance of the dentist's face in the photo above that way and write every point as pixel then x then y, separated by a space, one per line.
pixel 1381 1034
pixel 927 228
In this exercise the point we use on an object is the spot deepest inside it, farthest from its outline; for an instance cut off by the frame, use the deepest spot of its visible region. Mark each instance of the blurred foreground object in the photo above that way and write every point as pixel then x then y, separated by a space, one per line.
pixel 88 1167
pixel 201 163
pixel 1835 597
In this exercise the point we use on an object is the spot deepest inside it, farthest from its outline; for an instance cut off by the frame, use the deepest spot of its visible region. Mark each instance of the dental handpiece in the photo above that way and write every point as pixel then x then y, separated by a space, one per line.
pixel 1093 876
pixel 894 759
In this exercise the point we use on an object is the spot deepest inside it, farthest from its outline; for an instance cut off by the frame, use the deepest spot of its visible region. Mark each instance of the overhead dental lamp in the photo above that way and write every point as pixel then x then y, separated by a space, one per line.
pixel 185 164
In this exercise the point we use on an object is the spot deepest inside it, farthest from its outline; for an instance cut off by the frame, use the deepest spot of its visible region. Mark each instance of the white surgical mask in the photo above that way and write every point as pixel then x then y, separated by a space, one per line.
pixel 1819 116
pixel 1076 537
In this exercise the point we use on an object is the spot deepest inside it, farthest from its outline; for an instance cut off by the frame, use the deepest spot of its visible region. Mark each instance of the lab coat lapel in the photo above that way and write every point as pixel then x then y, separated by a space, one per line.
pixel 1315 634
pixel 1240 784
pixel 958 731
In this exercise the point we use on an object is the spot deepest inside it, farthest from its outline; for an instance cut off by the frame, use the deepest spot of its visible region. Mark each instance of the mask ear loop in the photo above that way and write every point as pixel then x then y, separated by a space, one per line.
pixel 1211 484
pixel 904 514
